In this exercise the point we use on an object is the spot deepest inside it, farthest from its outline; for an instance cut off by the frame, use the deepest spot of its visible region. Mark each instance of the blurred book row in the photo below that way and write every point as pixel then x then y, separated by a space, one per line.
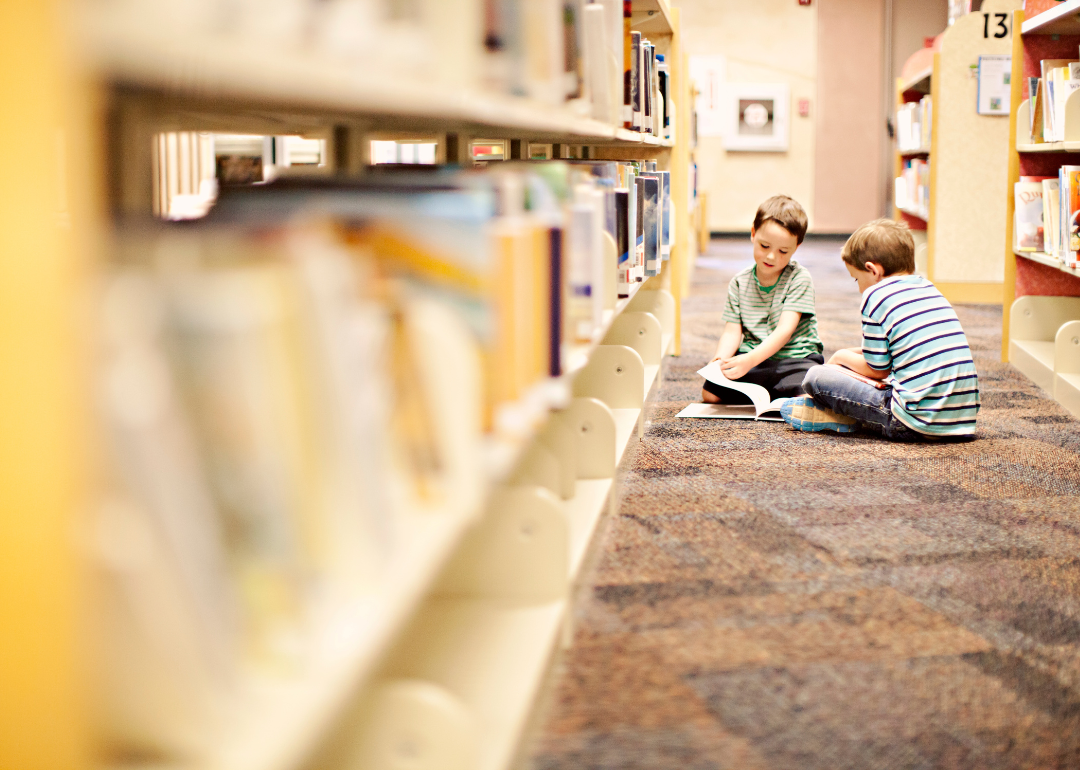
pixel 912 190
pixel 1048 95
pixel 913 125
pixel 554 52
pixel 275 381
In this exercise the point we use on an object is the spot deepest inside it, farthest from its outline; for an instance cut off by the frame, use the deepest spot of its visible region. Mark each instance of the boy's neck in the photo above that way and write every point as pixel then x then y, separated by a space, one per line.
pixel 898 274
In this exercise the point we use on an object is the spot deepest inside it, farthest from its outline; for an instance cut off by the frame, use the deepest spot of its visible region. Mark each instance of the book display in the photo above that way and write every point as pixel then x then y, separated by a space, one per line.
pixel 951 173
pixel 378 293
pixel 1041 326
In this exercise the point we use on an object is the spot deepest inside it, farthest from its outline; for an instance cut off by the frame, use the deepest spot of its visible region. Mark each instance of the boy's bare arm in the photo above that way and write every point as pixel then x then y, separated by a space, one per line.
pixel 852 358
pixel 735 367
pixel 729 341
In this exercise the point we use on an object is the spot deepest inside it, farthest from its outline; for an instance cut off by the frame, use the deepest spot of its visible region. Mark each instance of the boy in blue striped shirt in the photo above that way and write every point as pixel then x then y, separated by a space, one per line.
pixel 918 380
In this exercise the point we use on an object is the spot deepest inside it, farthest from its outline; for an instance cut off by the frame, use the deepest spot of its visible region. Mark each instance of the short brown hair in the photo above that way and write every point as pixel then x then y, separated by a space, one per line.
pixel 785 212
pixel 883 241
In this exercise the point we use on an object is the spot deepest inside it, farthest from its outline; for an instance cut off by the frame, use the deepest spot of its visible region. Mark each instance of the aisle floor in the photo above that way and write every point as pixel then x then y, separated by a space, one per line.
pixel 791 601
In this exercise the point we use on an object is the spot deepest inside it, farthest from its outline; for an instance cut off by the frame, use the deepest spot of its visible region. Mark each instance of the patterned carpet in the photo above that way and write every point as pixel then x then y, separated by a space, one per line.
pixel 767 599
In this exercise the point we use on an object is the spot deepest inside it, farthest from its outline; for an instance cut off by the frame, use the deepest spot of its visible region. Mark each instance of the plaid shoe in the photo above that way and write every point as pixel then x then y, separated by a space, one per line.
pixel 801 413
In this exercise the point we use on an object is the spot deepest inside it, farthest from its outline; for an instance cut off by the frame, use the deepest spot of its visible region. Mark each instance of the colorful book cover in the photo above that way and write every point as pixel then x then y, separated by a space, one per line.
pixel 1072 210
pixel 1029 216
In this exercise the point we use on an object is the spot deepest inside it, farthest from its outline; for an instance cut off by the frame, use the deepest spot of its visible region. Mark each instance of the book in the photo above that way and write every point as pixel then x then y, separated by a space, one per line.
pixel 761 407
pixel 1028 225
pixel 1070 214
pixel 636 100
pixel 628 68
pixel 1050 216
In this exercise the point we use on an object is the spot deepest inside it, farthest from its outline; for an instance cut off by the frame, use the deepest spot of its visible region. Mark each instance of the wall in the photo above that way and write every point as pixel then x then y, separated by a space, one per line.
pixel 850 183
pixel 765 41
pixel 912 22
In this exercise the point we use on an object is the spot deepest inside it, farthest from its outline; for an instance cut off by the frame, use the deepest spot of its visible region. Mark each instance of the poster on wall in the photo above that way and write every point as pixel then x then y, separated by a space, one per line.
pixel 757 117
pixel 708 74
pixel 995 87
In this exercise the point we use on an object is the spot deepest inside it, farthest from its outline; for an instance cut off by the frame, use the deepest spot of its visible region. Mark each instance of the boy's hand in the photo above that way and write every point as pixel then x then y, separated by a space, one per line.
pixel 736 366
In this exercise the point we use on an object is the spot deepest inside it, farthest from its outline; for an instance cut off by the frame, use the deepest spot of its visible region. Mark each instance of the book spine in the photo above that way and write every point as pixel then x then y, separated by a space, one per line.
pixel 628 73
pixel 635 79
pixel 622 240
pixel 555 315
pixel 639 230
pixel 650 196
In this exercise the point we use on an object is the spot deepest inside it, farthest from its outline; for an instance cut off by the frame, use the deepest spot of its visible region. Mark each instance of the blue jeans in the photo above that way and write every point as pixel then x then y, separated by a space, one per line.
pixel 846 395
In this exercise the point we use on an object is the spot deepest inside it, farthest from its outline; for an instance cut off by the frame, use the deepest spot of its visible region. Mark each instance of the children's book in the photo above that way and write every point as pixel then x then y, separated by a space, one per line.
pixel 1051 214
pixel 1029 216
pixel 760 408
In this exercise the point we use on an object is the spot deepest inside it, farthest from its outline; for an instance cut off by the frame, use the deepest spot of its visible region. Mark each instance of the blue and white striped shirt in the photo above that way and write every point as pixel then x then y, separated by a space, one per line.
pixel 913 331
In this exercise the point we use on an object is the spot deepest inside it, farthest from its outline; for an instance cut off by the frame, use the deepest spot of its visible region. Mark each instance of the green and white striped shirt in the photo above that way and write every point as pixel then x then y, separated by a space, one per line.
pixel 757 308
pixel 912 331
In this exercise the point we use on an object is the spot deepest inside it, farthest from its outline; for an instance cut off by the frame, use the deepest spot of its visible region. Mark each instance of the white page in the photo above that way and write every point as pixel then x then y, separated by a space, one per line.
pixel 724 412
pixel 755 393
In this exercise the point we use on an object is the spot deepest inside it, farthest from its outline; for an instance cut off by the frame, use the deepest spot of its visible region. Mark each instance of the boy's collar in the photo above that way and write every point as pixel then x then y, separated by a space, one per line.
pixel 890 279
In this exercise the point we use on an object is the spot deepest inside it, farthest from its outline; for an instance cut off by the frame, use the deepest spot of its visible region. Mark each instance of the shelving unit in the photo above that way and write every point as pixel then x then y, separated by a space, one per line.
pixel 1040 328
pixel 463 627
pixel 963 225
pixel 911 86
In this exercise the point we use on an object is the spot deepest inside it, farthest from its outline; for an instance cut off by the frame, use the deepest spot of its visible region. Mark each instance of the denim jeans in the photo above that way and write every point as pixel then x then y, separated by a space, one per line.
pixel 848 396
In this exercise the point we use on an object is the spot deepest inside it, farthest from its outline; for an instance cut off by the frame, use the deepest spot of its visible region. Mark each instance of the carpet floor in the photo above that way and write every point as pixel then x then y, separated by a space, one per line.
pixel 774 600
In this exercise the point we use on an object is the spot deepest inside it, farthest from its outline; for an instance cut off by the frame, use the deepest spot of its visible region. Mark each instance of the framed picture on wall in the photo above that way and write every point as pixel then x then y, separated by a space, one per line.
pixel 757 117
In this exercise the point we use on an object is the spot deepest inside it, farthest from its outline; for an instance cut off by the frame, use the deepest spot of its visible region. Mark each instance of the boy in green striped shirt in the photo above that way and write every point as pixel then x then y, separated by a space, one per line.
pixel 771 336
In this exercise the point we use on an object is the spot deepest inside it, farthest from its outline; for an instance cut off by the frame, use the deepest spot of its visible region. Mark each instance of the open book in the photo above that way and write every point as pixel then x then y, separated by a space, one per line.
pixel 761 407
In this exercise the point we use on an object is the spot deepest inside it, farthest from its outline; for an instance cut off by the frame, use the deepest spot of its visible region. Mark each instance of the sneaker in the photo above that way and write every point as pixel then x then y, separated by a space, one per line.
pixel 801 413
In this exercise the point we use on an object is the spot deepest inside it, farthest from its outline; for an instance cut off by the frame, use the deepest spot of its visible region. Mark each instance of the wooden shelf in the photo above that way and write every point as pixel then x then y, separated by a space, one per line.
pixel 1049 147
pixel 1062 20
pixel 240 75
pixel 1045 259
pixel 920 81
pixel 278 721
pixel 651 18
pixel 911 153
pixel 923 215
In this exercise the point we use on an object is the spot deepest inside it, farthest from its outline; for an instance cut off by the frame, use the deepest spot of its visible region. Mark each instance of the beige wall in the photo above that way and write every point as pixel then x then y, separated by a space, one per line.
pixel 765 41
pixel 912 22
pixel 849 186
pixel 835 53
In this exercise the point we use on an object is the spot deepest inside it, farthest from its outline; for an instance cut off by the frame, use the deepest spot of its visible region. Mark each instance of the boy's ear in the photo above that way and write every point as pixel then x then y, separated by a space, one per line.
pixel 753 232
pixel 875 269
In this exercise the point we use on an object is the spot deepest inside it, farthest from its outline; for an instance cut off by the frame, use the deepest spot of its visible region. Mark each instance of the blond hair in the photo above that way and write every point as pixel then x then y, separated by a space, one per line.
pixel 786 212
pixel 884 242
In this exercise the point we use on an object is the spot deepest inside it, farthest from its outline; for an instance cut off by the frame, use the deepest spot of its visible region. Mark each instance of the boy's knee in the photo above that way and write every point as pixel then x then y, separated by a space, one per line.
pixel 810 380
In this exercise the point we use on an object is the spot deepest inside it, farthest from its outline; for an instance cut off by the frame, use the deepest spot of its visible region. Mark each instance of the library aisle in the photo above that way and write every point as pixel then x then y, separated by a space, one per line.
pixel 781 600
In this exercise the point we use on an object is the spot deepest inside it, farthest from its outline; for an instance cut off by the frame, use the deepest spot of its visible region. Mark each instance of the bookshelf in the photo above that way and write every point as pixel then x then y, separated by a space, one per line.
pixel 911 87
pixel 448 648
pixel 967 173
pixel 1040 333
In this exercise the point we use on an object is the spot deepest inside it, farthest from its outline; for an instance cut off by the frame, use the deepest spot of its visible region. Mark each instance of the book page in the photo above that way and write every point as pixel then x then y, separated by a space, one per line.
pixel 755 393
pixel 719 411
